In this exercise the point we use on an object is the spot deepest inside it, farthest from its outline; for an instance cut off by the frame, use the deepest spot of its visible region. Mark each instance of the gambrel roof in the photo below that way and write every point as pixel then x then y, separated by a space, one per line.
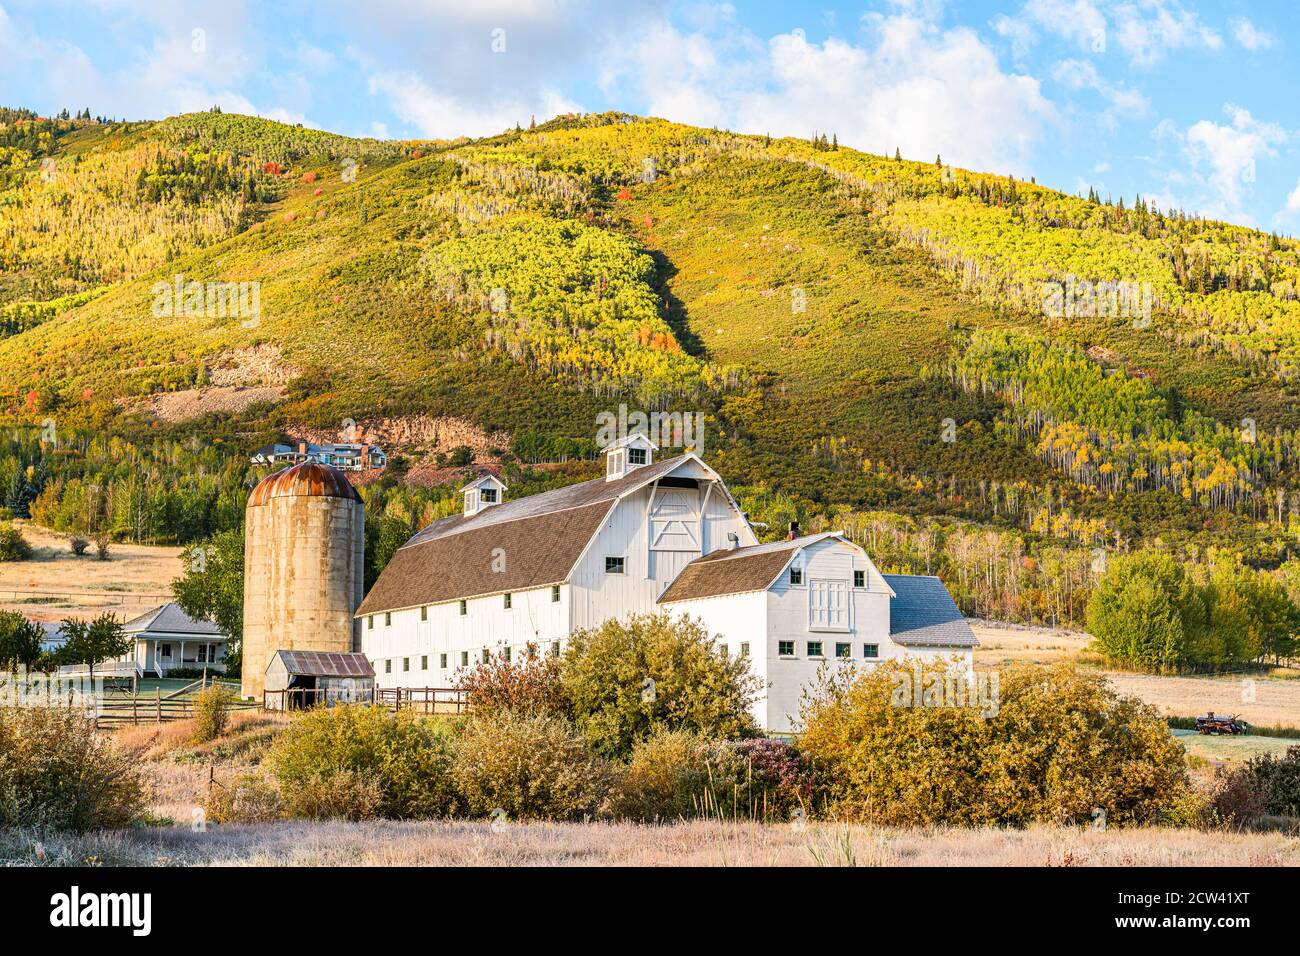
pixel 525 543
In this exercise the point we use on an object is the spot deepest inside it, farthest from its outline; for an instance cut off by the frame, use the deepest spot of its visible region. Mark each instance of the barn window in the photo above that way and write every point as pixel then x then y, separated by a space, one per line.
pixel 464 608
pixel 814 648
pixel 614 565
pixel 442 661
pixel 636 456
pixel 870 650
pixel 388 665
pixel 406 663
pixel 859 579
pixel 487 655
pixel 843 649
pixel 532 651
pixel 506 651
pixel 555 594
pixel 424 662
pixel 488 494
pixel 464 658
pixel 785 648
pixel 555 648
pixel 508 604
pixel 388 619
pixel 744 648
pixel 796 575
pixel 370 623
pixel 424 614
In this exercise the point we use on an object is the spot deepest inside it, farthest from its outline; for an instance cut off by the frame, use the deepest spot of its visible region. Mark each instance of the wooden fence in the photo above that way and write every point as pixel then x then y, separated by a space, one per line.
pixel 136 709
pixel 423 700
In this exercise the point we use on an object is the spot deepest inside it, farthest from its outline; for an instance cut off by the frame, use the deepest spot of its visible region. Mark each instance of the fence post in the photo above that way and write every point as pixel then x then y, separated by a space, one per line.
pixel 158 703
pixel 135 718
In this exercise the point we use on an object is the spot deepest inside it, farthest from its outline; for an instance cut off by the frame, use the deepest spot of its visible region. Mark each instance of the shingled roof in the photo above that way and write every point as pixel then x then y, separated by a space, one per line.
pixel 540 537
pixel 923 614
pixel 736 571
pixel 170 619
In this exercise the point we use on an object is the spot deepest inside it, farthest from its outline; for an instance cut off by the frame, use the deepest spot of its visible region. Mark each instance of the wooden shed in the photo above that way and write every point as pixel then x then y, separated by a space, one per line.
pixel 298 679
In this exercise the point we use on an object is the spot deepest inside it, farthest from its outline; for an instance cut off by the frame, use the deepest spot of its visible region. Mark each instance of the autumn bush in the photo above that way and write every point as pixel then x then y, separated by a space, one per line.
pixel 774 778
pixel 678 774
pixel 252 798
pixel 211 713
pixel 56 772
pixel 529 767
pixel 628 679
pixel 359 761
pixel 1058 746
pixel 13 546
pixel 530 684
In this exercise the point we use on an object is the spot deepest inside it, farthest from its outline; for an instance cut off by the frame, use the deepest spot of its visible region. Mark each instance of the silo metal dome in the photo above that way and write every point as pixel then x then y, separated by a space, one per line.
pixel 304 550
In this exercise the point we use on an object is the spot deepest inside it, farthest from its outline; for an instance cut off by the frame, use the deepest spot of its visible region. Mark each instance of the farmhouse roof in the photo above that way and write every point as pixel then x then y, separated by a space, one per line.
pixel 524 543
pixel 325 664
pixel 170 619
pixel 923 614
pixel 736 570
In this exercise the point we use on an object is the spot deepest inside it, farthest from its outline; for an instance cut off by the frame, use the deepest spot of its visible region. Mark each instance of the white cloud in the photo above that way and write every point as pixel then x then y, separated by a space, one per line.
pixel 911 86
pixel 1221 162
pixel 1144 30
pixel 1292 207
pixel 1250 36
pixel 439 115
pixel 1124 101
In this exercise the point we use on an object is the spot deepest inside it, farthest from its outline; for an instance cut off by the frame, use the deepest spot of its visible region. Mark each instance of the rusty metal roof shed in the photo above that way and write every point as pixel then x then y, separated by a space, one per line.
pixel 325 664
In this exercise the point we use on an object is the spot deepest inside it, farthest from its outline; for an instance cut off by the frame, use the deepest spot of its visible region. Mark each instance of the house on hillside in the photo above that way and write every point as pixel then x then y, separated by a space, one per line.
pixel 344 455
pixel 518 577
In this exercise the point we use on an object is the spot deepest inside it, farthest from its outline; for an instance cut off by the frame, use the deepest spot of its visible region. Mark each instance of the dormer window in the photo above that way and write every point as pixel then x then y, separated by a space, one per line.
pixel 796 576
pixel 628 454
pixel 488 496
pixel 636 456
pixel 483 492
pixel 614 464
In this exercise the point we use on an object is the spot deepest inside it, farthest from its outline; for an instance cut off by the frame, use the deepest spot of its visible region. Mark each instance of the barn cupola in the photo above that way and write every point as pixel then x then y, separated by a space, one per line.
pixel 483 492
pixel 628 454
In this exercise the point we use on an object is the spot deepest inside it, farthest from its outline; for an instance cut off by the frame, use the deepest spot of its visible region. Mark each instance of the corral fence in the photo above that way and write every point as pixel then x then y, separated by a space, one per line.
pixel 423 700
pixel 119 711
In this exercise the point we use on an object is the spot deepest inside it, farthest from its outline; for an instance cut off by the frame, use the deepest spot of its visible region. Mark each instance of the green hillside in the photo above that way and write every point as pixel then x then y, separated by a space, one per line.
pixel 866 334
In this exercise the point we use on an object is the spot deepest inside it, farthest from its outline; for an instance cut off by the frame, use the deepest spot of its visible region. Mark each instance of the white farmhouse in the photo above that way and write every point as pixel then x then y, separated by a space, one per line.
pixel 518 577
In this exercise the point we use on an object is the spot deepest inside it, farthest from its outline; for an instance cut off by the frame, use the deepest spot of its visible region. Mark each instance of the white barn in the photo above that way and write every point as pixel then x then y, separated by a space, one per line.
pixel 506 576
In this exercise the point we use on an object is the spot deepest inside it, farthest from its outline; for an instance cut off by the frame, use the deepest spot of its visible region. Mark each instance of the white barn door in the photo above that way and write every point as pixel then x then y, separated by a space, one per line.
pixel 828 605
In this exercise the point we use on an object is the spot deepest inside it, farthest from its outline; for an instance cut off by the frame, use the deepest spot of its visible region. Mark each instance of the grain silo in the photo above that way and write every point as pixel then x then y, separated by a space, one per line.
pixel 304 549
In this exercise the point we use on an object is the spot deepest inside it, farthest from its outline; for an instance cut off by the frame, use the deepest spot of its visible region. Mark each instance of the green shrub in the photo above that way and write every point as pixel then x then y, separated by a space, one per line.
pixel 1265 784
pixel 676 774
pixel 606 671
pixel 251 799
pixel 13 546
pixel 1057 746
pixel 57 772
pixel 211 713
pixel 328 756
pixel 531 766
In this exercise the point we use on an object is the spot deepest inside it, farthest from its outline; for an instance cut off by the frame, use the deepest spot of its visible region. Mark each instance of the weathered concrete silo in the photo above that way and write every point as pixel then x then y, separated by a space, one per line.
pixel 304 549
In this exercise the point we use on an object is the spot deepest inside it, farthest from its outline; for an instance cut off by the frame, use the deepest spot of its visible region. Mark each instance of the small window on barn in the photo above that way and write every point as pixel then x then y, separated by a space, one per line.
pixel 370 623
pixel 406 663
pixel 555 648
pixel 488 494
pixel 870 650
pixel 508 602
pixel 388 666
pixel 636 456
pixel 424 614
pixel 442 661
pixel 785 648
pixel 388 619
pixel 424 662
pixel 796 575
pixel 506 652
pixel 859 579
pixel 464 658
pixel 614 565
pixel 487 655
pixel 744 648
pixel 555 593
pixel 814 648
pixel 843 649
pixel 464 608
pixel 532 651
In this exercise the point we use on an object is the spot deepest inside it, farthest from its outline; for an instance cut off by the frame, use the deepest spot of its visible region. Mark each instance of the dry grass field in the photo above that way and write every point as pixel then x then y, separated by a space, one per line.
pixel 699 843
pixel 133 580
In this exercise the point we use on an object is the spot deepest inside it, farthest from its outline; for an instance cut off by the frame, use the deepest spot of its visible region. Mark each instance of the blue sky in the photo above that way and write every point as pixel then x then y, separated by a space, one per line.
pixel 1193 105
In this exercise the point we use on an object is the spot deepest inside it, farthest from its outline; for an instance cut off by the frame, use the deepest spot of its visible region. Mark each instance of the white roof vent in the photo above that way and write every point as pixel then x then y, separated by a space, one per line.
pixel 627 455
